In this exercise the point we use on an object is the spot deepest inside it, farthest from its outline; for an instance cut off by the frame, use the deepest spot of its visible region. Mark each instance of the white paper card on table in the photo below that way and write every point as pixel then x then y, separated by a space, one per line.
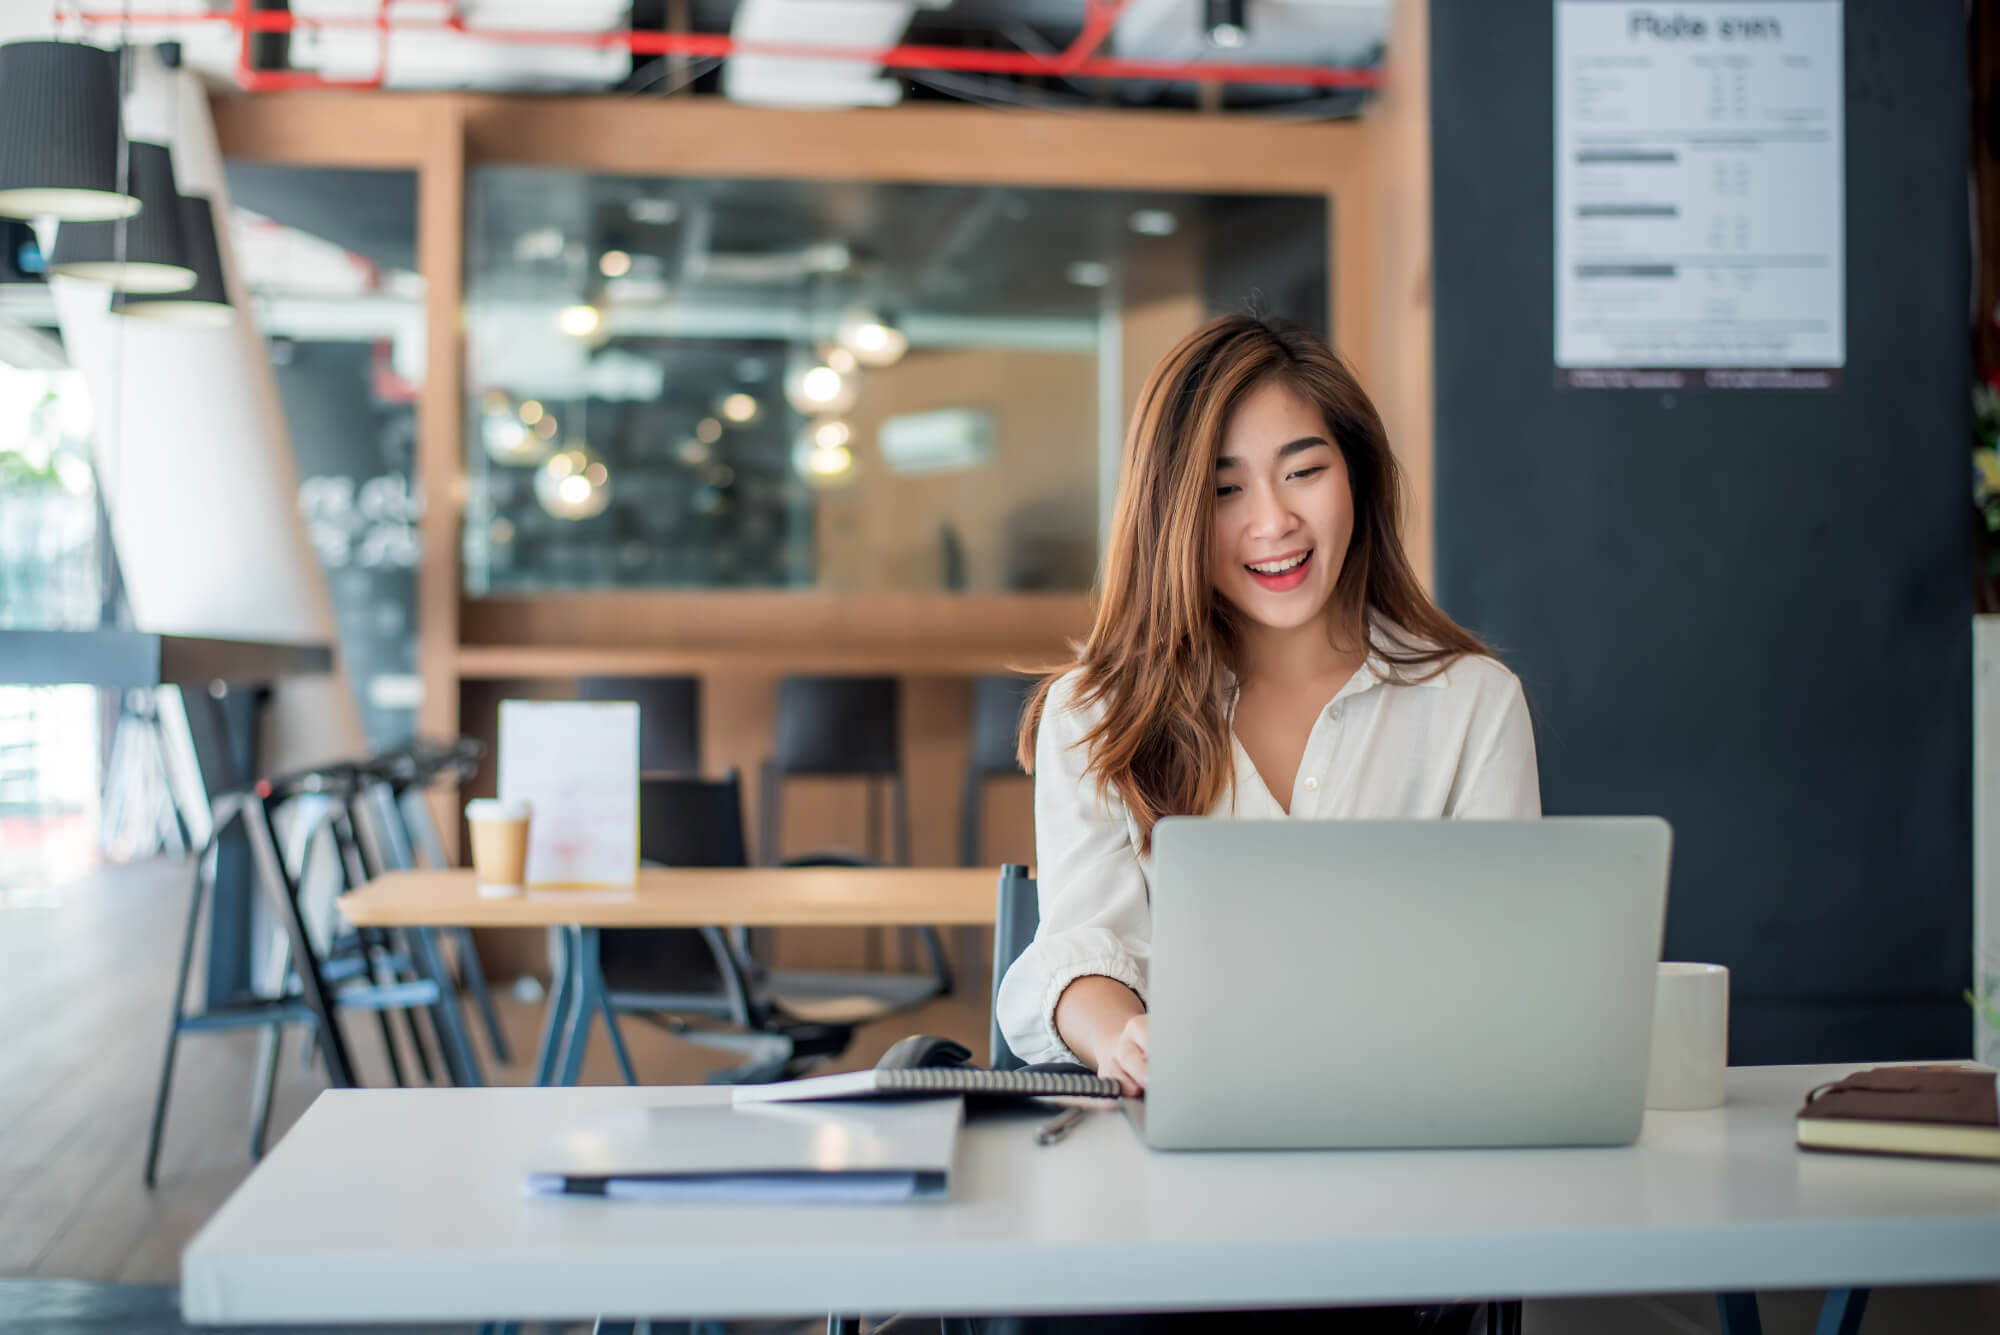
pixel 576 763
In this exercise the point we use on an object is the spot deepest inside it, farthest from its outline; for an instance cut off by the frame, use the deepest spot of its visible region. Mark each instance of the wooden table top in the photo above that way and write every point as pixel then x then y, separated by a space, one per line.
pixel 692 897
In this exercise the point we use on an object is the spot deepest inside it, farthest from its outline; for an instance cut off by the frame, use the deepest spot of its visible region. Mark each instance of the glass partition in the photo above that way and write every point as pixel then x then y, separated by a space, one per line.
pixel 843 386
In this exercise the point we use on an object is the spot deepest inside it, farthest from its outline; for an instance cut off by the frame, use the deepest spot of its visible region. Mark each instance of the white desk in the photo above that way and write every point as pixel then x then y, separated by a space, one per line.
pixel 405 1205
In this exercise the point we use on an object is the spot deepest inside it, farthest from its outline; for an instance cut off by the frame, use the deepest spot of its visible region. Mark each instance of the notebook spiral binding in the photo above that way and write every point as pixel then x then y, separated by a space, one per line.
pixel 967 1080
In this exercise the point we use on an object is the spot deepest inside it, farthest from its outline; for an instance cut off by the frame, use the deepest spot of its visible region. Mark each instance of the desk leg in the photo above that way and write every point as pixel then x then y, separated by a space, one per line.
pixel 1841 1313
pixel 1739 1314
pixel 593 965
pixel 446 1017
pixel 561 980
pixel 582 1006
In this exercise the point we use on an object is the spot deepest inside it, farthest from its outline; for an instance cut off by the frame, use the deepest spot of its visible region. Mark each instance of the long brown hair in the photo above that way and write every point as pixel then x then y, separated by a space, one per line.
pixel 1163 646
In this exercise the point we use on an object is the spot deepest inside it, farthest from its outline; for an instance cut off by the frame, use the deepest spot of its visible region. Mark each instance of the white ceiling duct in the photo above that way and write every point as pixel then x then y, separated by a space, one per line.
pixel 1287 32
pixel 865 25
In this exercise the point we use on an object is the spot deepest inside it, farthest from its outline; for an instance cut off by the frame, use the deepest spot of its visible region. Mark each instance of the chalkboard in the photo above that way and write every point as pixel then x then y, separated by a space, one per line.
pixel 1744 610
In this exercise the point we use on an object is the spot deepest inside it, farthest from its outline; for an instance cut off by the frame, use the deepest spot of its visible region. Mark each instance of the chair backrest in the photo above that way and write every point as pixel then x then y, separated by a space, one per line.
pixel 996 722
pixel 839 725
pixel 689 821
pixel 684 821
pixel 669 718
pixel 1017 916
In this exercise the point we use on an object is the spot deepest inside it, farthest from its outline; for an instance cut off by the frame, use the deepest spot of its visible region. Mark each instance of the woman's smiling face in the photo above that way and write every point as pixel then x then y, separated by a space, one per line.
pixel 1283 512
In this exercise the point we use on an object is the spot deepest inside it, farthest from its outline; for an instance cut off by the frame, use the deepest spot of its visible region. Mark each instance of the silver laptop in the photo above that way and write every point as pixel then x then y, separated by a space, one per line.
pixel 1379 984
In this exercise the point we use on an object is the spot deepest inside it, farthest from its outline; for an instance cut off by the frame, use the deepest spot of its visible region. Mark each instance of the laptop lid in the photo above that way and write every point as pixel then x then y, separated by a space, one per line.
pixel 1375 984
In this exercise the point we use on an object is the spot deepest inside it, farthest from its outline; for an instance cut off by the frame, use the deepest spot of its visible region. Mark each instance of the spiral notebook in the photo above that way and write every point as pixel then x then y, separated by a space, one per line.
pixel 922 1081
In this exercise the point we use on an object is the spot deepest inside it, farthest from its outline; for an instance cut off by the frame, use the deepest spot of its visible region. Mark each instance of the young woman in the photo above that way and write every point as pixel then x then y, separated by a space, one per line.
pixel 1261 649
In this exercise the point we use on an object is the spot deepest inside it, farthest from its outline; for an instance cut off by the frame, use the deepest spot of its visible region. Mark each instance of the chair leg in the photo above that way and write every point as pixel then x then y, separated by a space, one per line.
pixel 1739 1314
pixel 389 1048
pixel 264 851
pixel 473 976
pixel 1841 1313
pixel 159 1126
pixel 269 1043
pixel 459 1063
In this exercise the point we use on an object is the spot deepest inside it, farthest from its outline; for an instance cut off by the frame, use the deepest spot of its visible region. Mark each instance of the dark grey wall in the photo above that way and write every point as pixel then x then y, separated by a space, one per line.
pixel 355 457
pixel 1746 611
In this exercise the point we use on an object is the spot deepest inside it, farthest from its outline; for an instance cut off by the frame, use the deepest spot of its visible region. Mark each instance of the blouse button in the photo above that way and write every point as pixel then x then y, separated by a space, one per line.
pixel 1312 784
pixel 1333 712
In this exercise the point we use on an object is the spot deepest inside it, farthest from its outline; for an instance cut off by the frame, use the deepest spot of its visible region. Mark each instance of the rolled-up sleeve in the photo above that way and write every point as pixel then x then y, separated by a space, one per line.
pixel 1095 915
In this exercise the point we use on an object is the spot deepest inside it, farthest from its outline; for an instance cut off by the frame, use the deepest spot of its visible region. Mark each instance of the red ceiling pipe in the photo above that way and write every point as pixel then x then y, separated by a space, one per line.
pixel 1066 64
pixel 248 22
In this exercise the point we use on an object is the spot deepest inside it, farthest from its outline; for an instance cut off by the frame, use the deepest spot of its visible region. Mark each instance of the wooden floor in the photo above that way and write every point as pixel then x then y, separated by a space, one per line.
pixel 85 974
pixel 84 978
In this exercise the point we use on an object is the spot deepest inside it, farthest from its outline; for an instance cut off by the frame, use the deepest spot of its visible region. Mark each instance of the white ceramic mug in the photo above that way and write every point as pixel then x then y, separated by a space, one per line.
pixel 1690 1037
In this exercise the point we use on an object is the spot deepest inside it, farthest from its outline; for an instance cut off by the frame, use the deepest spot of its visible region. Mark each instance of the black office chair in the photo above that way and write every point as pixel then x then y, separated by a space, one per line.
pixel 847 727
pixel 669 718
pixel 671 973
pixel 997 703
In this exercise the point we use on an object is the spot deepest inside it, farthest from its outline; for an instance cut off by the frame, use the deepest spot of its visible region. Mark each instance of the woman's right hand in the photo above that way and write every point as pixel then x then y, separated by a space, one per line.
pixel 1125 1060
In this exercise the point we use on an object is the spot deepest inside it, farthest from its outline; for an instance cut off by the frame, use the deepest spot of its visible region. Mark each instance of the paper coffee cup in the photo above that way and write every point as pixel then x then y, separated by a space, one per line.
pixel 1690 1037
pixel 499 844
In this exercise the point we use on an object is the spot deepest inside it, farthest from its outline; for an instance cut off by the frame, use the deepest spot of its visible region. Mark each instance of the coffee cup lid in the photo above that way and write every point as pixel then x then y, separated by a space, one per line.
pixel 493 808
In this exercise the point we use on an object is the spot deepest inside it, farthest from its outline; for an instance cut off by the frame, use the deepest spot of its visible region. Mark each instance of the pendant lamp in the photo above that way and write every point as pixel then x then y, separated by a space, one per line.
pixel 207 302
pixel 149 257
pixel 59 133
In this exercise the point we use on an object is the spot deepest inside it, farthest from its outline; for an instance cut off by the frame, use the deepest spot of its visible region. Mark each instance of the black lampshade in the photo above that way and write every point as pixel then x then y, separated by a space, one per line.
pixel 153 260
pixel 59 132
pixel 207 302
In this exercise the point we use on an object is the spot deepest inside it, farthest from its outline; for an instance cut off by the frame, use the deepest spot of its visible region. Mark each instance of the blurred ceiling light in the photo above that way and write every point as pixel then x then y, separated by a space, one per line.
pixel 573 485
pixel 579 321
pixel 1224 23
pixel 828 257
pixel 614 264
pixel 708 431
pixel 694 453
pixel 1089 273
pixel 500 532
pixel 814 387
pixel 821 455
pixel 504 436
pixel 1153 222
pixel 531 411
pixel 542 243
pixel 739 408
pixel 546 428
pixel 873 337
pixel 657 212
pixel 840 359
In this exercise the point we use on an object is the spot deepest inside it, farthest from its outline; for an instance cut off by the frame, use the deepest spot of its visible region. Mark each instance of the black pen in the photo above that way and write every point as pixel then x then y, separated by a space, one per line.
pixel 1058 1126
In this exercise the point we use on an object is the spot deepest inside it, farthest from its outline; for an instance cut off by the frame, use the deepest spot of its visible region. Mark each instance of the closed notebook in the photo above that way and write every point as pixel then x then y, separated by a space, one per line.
pixel 921 1081
pixel 1948 1112
pixel 770 1153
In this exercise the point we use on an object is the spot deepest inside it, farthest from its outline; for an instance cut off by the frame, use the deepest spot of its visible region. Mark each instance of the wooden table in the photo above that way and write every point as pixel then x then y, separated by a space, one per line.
pixel 692 897
pixel 696 897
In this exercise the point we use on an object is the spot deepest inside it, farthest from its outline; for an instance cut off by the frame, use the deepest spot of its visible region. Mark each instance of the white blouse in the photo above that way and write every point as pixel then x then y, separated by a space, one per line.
pixel 1457 745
